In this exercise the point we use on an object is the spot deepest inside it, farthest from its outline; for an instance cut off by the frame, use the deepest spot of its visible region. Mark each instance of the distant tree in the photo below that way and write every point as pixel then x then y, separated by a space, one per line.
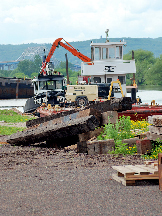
pixel 73 75
pixel 63 65
pixel 144 60
pixel 20 75
pixel 14 72
pixel 154 74
pixel 28 67
pixel 37 63
pixel 5 73
pixel 34 75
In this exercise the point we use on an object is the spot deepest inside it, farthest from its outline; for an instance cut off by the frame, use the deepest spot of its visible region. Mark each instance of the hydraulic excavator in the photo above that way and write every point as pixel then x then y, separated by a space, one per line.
pixel 68 47
pixel 49 87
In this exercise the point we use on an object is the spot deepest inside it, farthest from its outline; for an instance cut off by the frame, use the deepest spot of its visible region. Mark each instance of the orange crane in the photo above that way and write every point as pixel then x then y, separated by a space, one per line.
pixel 68 47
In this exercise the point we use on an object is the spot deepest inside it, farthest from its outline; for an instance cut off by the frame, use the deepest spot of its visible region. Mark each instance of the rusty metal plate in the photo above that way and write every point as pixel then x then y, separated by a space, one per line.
pixel 160 170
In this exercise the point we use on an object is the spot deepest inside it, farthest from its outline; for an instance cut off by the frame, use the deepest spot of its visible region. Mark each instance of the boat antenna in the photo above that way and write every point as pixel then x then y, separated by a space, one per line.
pixel 107 31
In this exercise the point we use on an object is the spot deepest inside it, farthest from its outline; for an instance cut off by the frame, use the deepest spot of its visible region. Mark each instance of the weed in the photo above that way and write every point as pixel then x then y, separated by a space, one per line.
pixel 119 131
pixel 157 148
pixel 139 126
pixel 123 148
pixel 123 129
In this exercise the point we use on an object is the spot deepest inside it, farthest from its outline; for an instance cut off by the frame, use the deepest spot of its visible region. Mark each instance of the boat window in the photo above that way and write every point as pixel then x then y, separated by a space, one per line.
pixel 122 79
pixel 97 53
pixel 92 53
pixel 104 53
pixel 112 52
pixel 121 52
pixel 109 80
pixel 118 52
pixel 97 79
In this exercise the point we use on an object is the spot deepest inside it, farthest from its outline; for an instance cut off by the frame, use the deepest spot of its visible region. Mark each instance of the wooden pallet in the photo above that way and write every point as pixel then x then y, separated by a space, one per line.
pixel 129 174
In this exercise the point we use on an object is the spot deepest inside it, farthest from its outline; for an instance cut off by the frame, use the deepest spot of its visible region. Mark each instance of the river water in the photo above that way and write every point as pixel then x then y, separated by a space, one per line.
pixel 146 93
pixel 149 93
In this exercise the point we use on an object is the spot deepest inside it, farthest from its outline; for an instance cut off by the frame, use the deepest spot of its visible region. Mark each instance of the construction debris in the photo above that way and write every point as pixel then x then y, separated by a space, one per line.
pixel 155 129
pixel 52 131
pixel 67 124
pixel 110 105
pixel 95 147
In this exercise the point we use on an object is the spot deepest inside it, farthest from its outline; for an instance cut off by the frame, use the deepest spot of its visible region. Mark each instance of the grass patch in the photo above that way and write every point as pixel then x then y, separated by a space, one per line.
pixel 11 116
pixel 5 130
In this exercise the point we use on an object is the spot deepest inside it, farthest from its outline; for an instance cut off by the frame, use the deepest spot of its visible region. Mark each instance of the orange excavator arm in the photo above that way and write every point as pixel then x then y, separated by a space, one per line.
pixel 68 47
pixel 52 50
pixel 44 63
pixel 75 52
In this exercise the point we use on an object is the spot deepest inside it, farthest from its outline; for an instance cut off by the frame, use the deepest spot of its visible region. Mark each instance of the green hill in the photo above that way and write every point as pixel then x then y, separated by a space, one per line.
pixel 12 52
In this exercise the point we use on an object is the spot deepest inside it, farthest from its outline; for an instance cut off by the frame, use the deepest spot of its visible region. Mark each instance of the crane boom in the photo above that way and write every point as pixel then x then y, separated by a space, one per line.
pixel 53 48
pixel 75 52
pixel 68 47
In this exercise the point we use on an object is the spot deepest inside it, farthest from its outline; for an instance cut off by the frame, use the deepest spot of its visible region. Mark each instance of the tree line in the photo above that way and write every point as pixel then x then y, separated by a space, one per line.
pixel 31 69
pixel 148 68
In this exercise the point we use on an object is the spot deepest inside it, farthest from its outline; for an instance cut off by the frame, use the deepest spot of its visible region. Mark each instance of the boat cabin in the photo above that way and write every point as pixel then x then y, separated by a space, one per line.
pixel 108 65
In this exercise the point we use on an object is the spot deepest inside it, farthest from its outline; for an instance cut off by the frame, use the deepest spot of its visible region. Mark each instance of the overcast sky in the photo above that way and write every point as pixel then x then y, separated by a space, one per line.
pixel 43 21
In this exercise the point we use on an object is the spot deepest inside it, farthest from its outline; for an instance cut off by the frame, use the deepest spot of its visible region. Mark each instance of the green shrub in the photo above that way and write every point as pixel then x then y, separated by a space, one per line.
pixel 122 148
pixel 119 131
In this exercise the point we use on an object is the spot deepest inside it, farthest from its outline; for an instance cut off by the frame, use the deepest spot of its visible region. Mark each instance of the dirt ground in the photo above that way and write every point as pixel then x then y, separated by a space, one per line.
pixel 36 180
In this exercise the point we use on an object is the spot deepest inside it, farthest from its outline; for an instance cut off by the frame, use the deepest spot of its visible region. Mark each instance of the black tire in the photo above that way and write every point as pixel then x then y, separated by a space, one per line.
pixel 81 101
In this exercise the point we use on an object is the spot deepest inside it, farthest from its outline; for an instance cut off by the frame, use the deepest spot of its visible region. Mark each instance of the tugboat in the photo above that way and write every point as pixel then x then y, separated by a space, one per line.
pixel 107 66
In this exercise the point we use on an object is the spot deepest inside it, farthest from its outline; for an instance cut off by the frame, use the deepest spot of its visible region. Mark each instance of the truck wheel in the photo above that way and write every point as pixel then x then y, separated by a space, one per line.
pixel 81 101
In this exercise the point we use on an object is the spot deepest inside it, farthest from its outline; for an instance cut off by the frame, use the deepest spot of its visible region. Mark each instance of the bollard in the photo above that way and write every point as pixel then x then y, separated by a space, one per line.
pixel 160 170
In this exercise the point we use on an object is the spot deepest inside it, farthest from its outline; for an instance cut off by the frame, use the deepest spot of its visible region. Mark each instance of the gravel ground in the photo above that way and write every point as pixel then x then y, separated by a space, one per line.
pixel 44 181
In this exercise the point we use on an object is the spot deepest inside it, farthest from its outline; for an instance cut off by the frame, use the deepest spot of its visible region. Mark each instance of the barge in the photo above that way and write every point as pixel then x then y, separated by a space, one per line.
pixel 16 88
pixel 141 112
